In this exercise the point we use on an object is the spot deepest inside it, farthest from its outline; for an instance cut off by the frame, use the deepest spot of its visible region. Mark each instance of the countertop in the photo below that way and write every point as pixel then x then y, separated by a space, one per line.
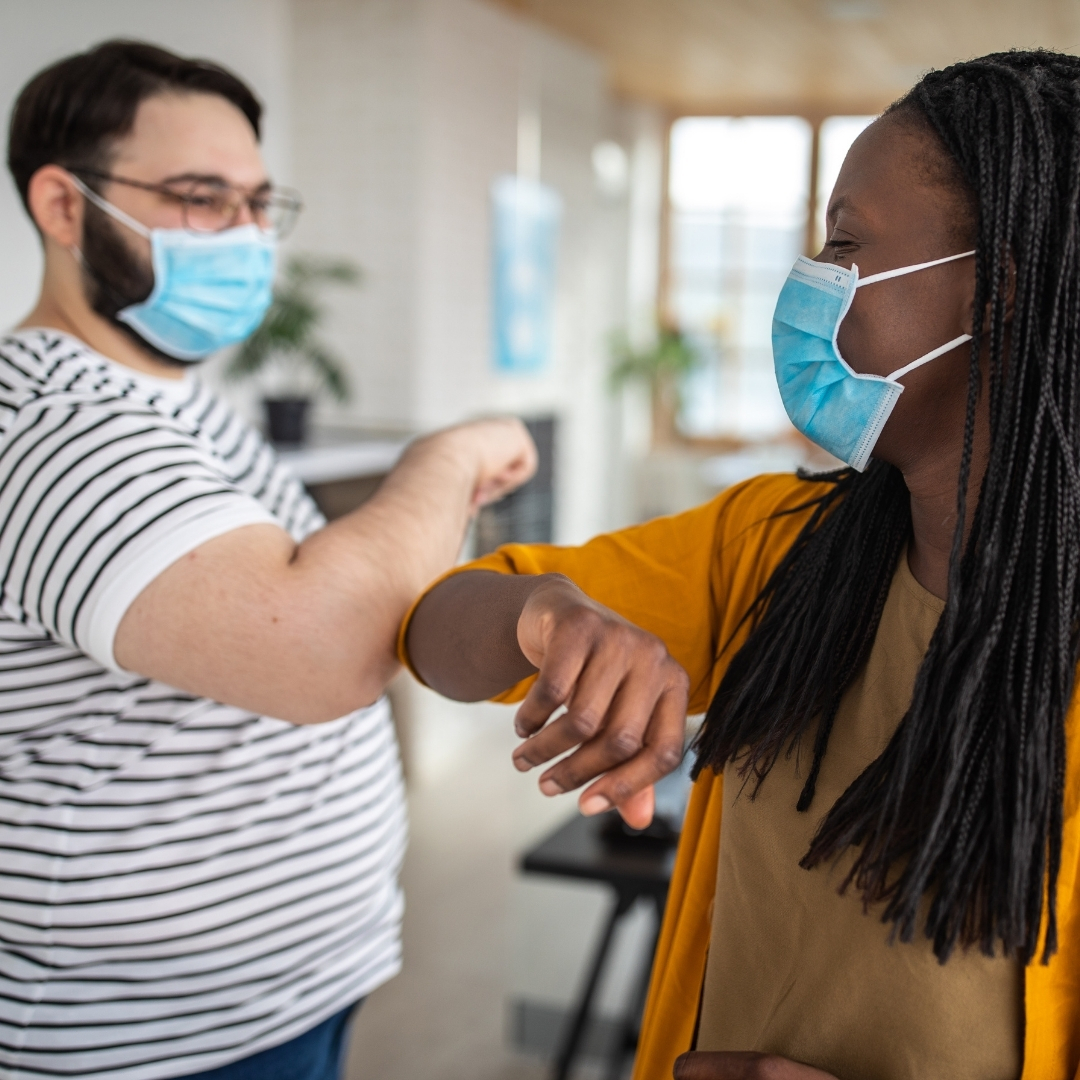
pixel 330 457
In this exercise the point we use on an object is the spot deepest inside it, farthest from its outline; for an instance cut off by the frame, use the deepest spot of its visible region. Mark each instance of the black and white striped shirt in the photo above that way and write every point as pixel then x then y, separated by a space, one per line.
pixel 182 883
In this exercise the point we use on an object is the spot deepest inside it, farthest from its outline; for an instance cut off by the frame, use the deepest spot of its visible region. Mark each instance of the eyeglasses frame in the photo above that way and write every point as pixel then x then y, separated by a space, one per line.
pixel 296 204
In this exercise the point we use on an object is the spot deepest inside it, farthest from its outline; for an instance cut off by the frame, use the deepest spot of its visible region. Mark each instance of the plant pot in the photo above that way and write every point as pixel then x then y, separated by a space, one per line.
pixel 286 420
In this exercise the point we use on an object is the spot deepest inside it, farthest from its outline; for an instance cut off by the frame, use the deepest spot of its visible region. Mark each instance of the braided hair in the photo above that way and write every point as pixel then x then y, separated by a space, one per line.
pixel 965 804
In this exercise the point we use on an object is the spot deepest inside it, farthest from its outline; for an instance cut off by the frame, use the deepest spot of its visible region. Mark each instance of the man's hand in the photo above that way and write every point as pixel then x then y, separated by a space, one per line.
pixel 503 453
pixel 744 1065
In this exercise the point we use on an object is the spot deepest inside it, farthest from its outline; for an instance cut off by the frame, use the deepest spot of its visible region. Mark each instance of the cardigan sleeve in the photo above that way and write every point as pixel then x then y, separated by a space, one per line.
pixel 679 577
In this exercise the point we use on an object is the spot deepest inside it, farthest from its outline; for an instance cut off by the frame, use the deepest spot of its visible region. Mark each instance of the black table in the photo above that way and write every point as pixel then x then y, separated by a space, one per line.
pixel 635 867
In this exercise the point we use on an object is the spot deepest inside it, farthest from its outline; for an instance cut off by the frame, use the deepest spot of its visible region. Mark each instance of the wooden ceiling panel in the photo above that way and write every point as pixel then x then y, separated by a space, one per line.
pixel 812 55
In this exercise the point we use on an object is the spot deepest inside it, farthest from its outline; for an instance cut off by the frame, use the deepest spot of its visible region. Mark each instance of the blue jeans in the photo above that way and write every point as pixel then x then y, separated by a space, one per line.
pixel 316 1055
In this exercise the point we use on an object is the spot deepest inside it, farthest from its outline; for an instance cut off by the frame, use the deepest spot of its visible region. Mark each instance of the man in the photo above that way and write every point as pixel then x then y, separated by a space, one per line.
pixel 201 810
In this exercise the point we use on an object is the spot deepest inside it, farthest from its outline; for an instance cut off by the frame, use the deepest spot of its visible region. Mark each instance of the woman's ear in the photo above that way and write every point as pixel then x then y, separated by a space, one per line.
pixel 56 205
pixel 1010 299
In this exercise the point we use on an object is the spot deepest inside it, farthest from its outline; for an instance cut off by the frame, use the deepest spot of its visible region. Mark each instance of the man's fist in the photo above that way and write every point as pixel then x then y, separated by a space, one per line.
pixel 500 452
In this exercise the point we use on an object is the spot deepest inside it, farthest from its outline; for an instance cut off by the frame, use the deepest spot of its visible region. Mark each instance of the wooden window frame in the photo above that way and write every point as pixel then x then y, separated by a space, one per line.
pixel 814 117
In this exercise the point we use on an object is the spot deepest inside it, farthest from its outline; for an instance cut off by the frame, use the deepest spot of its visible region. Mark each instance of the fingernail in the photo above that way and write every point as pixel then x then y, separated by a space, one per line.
pixel 550 787
pixel 522 763
pixel 594 804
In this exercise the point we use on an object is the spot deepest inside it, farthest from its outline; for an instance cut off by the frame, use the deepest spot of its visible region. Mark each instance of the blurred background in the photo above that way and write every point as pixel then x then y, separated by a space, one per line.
pixel 578 211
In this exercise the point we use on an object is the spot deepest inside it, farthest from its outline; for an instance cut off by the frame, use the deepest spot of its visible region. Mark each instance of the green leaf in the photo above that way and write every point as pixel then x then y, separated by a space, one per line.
pixel 671 355
pixel 292 322
pixel 332 376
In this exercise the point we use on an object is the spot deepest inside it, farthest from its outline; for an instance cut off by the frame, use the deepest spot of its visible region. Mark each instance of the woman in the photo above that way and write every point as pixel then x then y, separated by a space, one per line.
pixel 877 875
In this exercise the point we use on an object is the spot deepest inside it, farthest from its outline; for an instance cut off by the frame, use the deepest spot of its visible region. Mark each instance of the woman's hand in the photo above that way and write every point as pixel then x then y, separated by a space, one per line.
pixel 478 633
pixel 625 700
pixel 743 1065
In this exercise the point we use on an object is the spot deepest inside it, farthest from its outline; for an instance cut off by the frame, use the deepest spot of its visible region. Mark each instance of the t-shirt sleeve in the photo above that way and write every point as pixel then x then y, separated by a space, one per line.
pixel 95 502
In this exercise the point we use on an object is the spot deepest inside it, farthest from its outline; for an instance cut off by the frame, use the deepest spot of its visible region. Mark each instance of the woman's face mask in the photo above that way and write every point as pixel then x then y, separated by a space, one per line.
pixel 836 407
pixel 210 289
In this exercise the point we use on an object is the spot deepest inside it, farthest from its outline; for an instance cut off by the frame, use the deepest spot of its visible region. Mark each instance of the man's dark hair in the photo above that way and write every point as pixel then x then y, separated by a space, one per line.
pixel 73 112
pixel 963 811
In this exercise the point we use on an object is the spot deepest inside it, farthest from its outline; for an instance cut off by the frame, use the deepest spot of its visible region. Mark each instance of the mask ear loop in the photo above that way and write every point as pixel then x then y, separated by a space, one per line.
pixel 932 355
pixel 112 211
pixel 900 271
pixel 119 215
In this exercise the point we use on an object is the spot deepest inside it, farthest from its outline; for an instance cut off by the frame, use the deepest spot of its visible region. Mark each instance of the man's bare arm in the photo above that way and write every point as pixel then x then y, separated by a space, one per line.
pixel 306 632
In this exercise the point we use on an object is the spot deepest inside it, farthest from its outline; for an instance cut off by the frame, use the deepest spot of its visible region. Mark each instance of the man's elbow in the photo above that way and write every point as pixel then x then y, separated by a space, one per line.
pixel 333 697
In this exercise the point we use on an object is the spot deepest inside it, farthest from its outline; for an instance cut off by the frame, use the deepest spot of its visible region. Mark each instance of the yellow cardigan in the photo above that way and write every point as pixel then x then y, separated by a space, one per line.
pixel 689 579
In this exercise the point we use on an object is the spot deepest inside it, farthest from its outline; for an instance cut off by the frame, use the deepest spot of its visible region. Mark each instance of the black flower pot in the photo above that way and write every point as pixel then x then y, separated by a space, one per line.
pixel 286 420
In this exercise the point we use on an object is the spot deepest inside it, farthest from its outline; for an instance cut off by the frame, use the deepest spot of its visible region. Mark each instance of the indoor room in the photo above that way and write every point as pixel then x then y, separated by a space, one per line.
pixel 582 214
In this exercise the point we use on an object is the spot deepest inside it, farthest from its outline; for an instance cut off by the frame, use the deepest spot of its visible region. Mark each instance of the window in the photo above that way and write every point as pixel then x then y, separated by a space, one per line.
pixel 739 191
pixel 835 137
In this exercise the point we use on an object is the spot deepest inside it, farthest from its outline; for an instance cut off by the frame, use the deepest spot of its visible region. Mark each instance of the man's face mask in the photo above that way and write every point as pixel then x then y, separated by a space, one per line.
pixel 209 289
pixel 836 407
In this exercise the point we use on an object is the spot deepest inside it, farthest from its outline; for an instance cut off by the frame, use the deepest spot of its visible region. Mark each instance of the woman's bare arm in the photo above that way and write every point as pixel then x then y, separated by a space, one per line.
pixel 478 633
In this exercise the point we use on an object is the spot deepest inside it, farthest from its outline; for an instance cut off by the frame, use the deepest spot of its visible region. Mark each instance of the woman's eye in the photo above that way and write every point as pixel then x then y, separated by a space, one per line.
pixel 841 248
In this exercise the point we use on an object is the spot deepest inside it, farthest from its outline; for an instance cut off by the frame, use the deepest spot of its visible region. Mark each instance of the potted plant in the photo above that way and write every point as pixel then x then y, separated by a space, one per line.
pixel 661 367
pixel 286 353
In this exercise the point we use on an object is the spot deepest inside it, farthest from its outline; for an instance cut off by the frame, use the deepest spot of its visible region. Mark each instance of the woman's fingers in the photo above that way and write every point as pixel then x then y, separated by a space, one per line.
pixel 660 754
pixel 625 699
pixel 743 1065
pixel 589 708
pixel 645 723
pixel 560 670
pixel 637 811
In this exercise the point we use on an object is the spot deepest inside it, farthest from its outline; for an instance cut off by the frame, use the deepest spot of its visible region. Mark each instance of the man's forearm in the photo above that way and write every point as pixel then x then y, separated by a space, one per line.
pixel 382 554
pixel 307 632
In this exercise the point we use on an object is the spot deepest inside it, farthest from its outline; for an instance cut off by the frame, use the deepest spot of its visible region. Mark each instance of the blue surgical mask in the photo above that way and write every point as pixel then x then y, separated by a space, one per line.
pixel 840 409
pixel 210 289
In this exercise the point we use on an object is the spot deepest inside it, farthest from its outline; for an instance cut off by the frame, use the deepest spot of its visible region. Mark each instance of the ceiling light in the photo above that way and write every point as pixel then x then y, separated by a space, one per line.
pixel 611 168
pixel 854 10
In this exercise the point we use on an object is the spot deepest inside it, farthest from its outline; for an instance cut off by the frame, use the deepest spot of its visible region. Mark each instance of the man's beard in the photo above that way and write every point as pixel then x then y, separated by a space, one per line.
pixel 114 277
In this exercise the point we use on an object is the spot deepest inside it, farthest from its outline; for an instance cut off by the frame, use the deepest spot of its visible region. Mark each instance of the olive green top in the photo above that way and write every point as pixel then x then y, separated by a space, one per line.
pixel 795 968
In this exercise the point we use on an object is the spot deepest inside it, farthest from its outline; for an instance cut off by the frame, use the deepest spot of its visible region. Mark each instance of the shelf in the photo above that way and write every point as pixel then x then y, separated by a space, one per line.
pixel 323 464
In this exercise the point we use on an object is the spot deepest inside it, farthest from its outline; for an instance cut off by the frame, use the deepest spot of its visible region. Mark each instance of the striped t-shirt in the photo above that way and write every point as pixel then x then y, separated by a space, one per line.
pixel 182 883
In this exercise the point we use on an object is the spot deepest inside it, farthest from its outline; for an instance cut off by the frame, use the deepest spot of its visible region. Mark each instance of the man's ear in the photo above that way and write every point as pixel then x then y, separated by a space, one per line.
pixel 56 205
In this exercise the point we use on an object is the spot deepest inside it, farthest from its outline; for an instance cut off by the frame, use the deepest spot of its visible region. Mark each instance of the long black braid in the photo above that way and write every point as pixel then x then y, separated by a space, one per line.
pixel 965 804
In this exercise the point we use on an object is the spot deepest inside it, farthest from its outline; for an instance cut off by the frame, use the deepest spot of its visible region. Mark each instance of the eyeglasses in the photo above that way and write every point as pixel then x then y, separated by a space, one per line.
pixel 209 206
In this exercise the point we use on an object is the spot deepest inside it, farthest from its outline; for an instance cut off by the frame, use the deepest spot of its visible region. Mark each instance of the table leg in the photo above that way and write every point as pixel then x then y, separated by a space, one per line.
pixel 569 1049
pixel 626 1039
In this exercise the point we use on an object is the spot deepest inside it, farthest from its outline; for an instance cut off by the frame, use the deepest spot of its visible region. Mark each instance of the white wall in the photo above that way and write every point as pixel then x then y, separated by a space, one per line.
pixel 356 108
pixel 250 36
pixel 405 111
